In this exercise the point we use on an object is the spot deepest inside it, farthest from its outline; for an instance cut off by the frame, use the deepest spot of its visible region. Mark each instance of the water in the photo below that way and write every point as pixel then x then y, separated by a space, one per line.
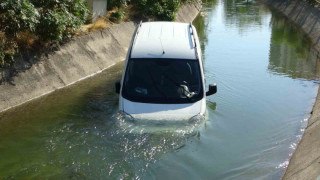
pixel 267 75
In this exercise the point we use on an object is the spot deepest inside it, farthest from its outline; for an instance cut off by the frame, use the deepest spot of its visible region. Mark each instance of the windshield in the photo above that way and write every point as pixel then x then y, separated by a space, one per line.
pixel 163 81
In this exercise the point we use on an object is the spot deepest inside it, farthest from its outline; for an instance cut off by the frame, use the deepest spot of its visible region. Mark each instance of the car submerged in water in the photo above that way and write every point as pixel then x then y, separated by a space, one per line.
pixel 163 77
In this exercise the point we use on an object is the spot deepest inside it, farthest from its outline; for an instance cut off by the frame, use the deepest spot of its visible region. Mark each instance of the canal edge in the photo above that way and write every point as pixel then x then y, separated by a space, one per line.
pixel 305 162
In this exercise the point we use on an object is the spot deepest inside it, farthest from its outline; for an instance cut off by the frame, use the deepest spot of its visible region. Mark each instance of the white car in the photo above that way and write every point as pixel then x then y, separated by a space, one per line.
pixel 163 77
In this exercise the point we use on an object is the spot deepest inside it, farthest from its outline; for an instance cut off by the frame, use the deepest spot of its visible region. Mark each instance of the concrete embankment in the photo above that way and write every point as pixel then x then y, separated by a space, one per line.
pixel 82 57
pixel 305 162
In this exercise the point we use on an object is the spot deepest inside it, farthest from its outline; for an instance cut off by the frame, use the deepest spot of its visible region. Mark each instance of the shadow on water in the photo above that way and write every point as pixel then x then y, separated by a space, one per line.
pixel 291 52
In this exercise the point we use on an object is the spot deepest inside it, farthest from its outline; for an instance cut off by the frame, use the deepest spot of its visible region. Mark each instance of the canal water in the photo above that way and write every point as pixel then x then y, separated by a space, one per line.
pixel 266 71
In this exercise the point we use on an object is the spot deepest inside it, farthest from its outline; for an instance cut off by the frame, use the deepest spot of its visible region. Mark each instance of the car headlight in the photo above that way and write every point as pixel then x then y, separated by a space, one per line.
pixel 196 118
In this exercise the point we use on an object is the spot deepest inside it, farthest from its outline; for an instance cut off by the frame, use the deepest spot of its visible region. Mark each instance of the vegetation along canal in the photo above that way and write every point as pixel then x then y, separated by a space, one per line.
pixel 267 76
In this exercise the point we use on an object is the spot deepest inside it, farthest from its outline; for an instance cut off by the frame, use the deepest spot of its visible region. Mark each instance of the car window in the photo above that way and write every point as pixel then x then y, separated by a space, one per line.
pixel 163 81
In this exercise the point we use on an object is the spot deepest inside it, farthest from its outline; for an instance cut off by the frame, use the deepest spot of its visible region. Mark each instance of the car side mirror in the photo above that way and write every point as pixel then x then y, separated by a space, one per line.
pixel 212 89
pixel 118 86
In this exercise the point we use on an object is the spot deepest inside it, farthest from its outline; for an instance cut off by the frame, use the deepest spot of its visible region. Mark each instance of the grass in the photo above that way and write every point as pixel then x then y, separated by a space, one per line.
pixel 104 22
pixel 26 40
pixel 100 24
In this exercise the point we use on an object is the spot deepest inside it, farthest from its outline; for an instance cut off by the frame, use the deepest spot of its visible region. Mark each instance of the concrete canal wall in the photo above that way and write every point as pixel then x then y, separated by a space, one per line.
pixel 82 57
pixel 305 162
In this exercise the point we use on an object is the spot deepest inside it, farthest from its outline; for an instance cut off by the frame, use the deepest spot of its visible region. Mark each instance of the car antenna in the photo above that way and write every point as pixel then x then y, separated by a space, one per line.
pixel 162 47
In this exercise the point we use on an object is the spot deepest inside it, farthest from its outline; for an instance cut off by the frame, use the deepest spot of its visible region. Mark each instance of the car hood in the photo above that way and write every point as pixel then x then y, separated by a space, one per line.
pixel 162 111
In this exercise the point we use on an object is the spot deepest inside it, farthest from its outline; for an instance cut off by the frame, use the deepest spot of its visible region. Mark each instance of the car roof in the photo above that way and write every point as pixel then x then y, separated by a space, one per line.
pixel 164 40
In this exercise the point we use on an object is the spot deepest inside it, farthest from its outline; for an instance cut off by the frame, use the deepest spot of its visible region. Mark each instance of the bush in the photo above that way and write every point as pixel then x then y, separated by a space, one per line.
pixel 76 8
pixel 117 16
pixel 312 2
pixel 6 51
pixel 116 3
pixel 160 9
pixel 52 26
pixel 60 18
pixel 40 20
pixel 18 15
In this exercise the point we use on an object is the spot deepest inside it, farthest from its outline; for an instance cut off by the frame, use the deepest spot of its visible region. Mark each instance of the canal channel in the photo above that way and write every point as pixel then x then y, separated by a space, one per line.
pixel 267 75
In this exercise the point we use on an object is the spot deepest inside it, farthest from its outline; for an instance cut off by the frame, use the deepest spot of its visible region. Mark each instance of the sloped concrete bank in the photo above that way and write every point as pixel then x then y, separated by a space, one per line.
pixel 305 162
pixel 83 57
